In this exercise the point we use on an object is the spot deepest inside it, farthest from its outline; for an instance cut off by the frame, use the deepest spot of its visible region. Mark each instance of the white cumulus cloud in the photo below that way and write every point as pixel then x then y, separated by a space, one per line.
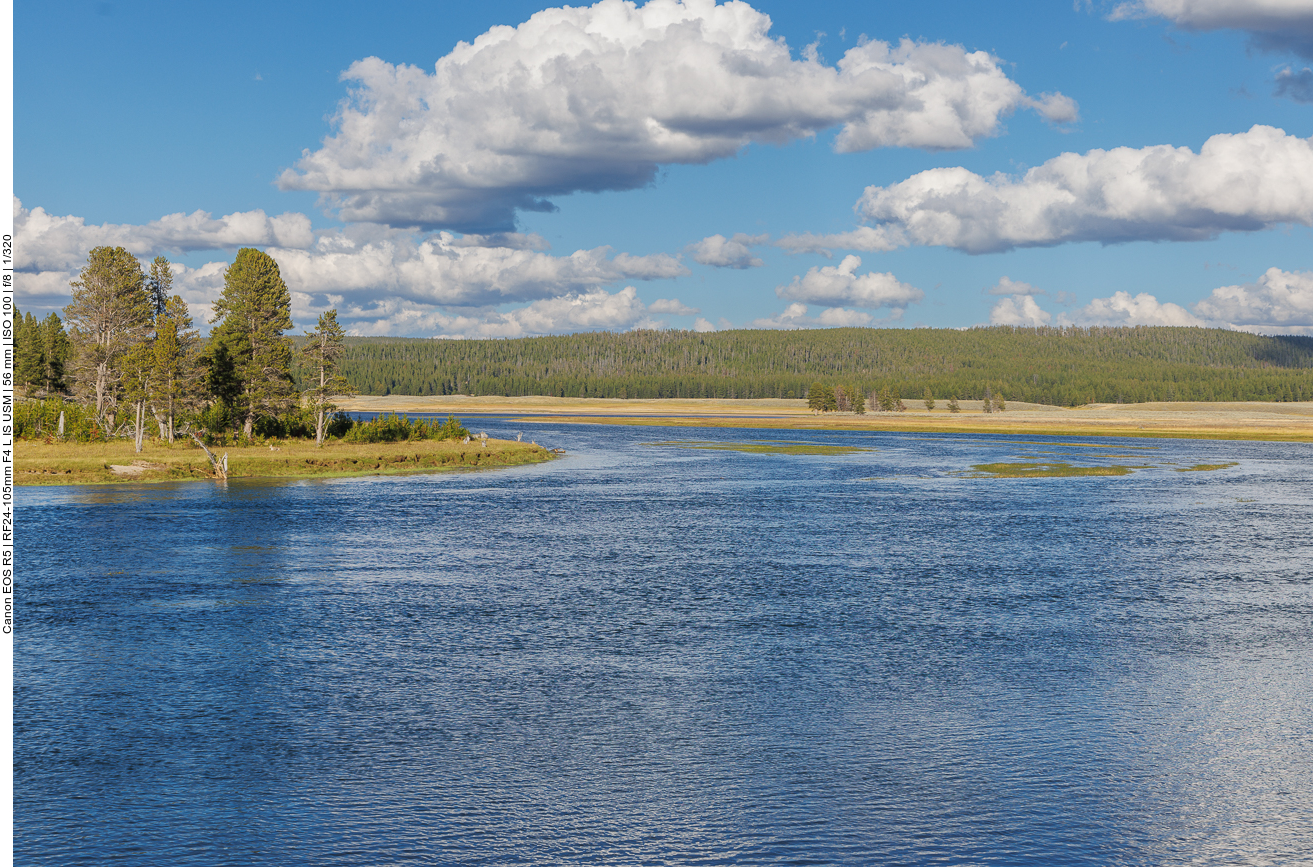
pixel 1124 309
pixel 1274 24
pixel 1242 182
pixel 590 311
pixel 835 286
pixel 795 316
pixel 1272 302
pixel 1020 310
pixel 377 277
pixel 721 252
pixel 54 243
pixel 597 98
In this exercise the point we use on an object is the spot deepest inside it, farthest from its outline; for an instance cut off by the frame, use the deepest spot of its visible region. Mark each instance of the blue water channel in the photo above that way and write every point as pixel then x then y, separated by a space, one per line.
pixel 651 653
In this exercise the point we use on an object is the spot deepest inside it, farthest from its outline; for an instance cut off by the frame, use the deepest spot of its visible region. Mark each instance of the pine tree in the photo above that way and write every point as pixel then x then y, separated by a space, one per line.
pixel 322 351
pixel 952 404
pixel 929 399
pixel 858 401
pixel 175 370
pixel 159 284
pixel 816 397
pixel 56 350
pixel 987 403
pixel 29 351
pixel 109 315
pixel 999 403
pixel 251 316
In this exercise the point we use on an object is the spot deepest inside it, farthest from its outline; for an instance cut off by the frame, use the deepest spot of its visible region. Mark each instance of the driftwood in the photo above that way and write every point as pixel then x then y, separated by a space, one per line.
pixel 220 464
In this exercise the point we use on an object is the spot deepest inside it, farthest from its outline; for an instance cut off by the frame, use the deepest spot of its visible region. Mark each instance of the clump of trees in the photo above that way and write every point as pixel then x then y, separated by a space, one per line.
pixel 835 398
pixel 127 353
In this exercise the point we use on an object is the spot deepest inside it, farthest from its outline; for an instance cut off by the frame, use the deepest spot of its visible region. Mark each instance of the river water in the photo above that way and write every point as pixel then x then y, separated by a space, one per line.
pixel 655 654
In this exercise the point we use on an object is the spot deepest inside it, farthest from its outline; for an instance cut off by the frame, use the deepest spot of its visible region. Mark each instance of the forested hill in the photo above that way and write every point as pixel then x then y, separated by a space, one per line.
pixel 1063 366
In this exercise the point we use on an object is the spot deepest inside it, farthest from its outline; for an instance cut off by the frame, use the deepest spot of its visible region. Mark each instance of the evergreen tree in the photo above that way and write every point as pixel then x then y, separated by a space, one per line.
pixel 929 399
pixel 175 370
pixel 988 401
pixel 250 317
pixel 952 404
pixel 858 401
pixel 322 351
pixel 816 397
pixel 56 352
pixel 109 314
pixel 222 383
pixel 29 352
pixel 999 403
pixel 159 284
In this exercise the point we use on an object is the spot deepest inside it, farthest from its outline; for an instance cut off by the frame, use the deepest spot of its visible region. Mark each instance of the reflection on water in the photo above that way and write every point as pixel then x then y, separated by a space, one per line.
pixel 680 656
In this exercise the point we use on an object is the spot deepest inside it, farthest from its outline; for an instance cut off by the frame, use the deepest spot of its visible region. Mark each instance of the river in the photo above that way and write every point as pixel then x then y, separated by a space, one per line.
pixel 655 652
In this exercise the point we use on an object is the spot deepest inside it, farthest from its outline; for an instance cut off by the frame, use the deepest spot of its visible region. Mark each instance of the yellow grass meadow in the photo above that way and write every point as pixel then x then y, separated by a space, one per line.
pixel 1291 422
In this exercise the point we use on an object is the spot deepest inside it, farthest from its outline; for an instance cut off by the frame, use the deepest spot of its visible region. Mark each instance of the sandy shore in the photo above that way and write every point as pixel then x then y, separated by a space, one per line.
pixel 1254 421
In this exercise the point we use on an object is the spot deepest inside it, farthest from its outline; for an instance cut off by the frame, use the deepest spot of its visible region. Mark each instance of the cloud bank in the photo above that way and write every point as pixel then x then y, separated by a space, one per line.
pixel 381 280
pixel 53 243
pixel 1242 182
pixel 1279 302
pixel 1282 25
pixel 597 98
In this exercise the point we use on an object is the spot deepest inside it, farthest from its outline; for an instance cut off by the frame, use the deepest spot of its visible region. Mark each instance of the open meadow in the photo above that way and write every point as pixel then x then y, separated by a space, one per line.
pixel 1290 422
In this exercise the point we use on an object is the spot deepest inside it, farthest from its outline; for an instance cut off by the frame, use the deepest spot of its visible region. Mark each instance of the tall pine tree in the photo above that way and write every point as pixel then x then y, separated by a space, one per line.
pixel 250 318
pixel 109 315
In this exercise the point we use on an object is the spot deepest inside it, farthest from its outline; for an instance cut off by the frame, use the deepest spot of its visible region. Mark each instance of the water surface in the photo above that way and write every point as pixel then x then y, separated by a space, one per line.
pixel 655 654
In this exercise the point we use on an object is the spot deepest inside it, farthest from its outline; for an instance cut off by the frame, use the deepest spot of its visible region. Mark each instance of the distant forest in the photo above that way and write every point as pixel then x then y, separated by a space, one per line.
pixel 1057 366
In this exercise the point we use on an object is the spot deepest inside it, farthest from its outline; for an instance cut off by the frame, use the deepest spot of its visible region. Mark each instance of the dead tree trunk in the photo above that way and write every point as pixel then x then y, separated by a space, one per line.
pixel 220 464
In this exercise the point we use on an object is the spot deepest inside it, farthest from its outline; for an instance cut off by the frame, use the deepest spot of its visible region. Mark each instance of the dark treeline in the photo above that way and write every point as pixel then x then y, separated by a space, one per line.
pixel 1058 366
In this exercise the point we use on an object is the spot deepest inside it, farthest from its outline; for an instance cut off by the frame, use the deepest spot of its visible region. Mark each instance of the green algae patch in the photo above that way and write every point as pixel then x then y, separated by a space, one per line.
pixel 1203 468
pixel 1051 470
pixel 764 447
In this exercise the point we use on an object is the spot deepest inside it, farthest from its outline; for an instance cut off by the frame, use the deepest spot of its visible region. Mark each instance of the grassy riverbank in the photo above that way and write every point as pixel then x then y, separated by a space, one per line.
pixel 41 463
pixel 1288 422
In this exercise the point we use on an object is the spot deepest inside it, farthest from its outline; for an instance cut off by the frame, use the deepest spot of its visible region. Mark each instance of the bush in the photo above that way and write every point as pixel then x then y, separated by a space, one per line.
pixel 40 418
pixel 392 428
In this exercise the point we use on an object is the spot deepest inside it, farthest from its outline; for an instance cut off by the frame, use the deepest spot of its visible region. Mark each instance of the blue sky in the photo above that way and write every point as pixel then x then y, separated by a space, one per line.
pixel 682 165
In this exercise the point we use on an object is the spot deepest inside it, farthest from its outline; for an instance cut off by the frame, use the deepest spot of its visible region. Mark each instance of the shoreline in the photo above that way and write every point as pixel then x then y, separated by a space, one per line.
pixel 1259 421
pixel 38 463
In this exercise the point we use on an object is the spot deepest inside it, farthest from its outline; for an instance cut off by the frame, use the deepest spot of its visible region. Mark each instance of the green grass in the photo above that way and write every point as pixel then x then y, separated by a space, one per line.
pixel 62 463
pixel 1052 470
pixel 764 447
pixel 1206 467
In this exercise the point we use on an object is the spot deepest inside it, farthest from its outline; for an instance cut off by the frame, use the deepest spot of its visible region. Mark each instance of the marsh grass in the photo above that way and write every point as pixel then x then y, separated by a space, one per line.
pixel 1197 468
pixel 764 447
pixel 1049 470
pixel 56 463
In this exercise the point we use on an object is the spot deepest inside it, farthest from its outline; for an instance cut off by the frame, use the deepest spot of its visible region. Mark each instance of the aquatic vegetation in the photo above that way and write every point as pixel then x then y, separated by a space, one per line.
pixel 1206 467
pixel 764 447
pixel 1056 469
